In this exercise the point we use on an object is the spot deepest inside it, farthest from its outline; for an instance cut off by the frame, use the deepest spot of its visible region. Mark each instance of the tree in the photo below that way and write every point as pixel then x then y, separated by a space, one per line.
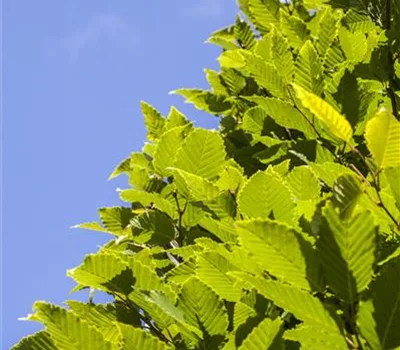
pixel 279 231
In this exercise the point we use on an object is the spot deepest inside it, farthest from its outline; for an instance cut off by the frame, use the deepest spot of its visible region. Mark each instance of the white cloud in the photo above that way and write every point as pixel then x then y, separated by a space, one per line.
pixel 111 28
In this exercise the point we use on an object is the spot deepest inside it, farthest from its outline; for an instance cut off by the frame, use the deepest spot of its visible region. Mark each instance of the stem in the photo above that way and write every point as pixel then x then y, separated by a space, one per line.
pixel 180 237
pixel 375 185
pixel 320 138
pixel 391 73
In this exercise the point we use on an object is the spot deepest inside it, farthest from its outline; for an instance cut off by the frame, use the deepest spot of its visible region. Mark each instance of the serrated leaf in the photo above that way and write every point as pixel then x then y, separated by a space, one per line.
pixel 147 199
pixel 354 45
pixel 115 219
pixel 121 168
pixel 315 338
pixel 216 83
pixel 264 13
pixel 347 252
pixel 279 250
pixel 205 100
pixel 282 56
pixel 346 190
pixel 67 330
pixel 393 176
pixel 38 341
pixel 337 124
pixel 263 335
pixel 265 74
pixel 301 304
pixel 153 120
pixel 382 134
pixel 137 339
pixel 175 118
pixel 253 120
pixel 379 317
pixel 244 34
pixel 103 317
pixel 327 30
pixel 329 172
pixel 264 194
pixel 104 272
pixel 202 154
pixel 153 227
pixel 166 149
pixel 223 229
pixel 212 269
pixel 202 307
pixel 303 183
pixel 309 71
pixel 294 28
pixel 284 114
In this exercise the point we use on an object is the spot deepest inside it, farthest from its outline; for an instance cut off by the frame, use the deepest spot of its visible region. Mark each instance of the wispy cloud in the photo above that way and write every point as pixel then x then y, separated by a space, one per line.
pixel 108 27
pixel 207 8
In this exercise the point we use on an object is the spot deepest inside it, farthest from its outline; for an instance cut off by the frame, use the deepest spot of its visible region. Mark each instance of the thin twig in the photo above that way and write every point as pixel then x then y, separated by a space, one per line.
pixel 375 185
pixel 391 72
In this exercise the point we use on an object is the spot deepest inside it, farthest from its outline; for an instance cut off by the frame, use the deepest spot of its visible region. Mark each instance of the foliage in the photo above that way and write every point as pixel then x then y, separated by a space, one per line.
pixel 280 230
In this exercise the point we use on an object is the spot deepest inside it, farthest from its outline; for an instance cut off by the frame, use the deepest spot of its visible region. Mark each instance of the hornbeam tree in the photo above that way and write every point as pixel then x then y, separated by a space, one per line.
pixel 281 230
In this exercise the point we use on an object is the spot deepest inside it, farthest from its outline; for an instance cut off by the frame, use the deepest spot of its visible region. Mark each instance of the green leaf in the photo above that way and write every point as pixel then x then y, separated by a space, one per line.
pixel 202 308
pixel 315 338
pixel 103 271
pixel 327 30
pixel 264 194
pixel 148 200
pixel 166 149
pixel 123 167
pixel 216 82
pixel 153 227
pixel 294 28
pixel 67 330
pixel 393 176
pixel 282 56
pixel 346 191
pixel 116 219
pixel 202 154
pixel 138 339
pixel 379 317
pixel 253 120
pixel 329 172
pixel 347 252
pixel 263 335
pixel 354 45
pixel 244 34
pixel 175 118
pixel 283 114
pixel 205 100
pixel 153 120
pixel 301 304
pixel 212 269
pixel 309 70
pixel 265 74
pixel 279 250
pixel 38 341
pixel 223 229
pixel 382 134
pixel 337 124
pixel 303 183
pixel 93 226
pixel 104 317
pixel 264 13
pixel 230 179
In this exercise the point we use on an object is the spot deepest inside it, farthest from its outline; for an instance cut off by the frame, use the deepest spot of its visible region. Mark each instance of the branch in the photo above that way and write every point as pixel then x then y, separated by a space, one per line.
pixel 390 59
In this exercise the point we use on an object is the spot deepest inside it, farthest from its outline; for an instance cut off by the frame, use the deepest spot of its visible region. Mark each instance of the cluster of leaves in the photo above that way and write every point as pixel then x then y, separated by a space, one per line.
pixel 279 231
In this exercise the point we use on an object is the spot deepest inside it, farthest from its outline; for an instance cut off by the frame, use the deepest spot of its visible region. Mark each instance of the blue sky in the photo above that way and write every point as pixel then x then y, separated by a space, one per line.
pixel 73 75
